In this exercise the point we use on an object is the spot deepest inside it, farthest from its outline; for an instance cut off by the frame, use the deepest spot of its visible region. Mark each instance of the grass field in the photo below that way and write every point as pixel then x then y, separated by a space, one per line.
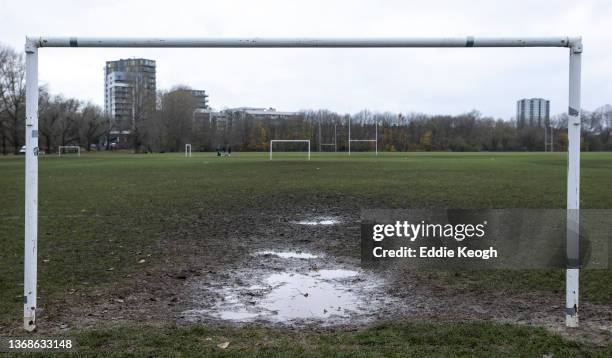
pixel 95 204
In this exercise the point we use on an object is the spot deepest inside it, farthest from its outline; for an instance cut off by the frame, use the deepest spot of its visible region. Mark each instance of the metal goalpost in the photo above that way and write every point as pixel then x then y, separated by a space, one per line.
pixel 334 144
pixel 289 141
pixel 375 140
pixel 188 150
pixel 59 149
pixel 33 44
pixel 549 138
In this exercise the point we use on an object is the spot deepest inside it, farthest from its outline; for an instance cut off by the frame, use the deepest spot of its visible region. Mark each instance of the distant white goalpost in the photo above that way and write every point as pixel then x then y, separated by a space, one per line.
pixel 289 141
pixel 548 138
pixel 334 144
pixel 64 147
pixel 34 44
pixel 375 140
pixel 188 150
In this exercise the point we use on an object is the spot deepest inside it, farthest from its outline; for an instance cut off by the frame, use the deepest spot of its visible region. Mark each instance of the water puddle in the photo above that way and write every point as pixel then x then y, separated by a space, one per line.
pixel 304 291
pixel 312 296
pixel 288 254
pixel 318 221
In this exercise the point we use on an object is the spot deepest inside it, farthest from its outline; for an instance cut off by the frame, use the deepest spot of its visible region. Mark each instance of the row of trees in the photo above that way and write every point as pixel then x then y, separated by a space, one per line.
pixel 405 132
pixel 167 120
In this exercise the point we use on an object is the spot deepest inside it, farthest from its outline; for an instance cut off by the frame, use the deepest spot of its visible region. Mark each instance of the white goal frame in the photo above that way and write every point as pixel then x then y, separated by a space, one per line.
pixel 334 144
pixel 59 149
pixel 375 140
pixel 33 44
pixel 188 150
pixel 289 141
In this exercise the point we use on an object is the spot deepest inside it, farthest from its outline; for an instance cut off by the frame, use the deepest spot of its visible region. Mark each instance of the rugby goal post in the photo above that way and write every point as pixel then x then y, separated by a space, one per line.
pixel 64 147
pixel 188 150
pixel 33 44
pixel 321 144
pixel 375 140
pixel 289 141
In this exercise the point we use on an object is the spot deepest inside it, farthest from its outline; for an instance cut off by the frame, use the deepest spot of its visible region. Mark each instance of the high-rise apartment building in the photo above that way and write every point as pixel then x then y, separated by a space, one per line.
pixel 532 112
pixel 201 97
pixel 129 84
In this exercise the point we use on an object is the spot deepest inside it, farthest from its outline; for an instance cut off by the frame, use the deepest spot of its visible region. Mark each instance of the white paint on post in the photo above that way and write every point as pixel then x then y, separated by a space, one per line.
pixel 31 189
pixel 335 140
pixel 573 188
pixel 327 42
pixel 349 135
pixel 376 145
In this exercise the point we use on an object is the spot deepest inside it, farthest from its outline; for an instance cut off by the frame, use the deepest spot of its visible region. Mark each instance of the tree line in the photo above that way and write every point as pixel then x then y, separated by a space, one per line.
pixel 167 120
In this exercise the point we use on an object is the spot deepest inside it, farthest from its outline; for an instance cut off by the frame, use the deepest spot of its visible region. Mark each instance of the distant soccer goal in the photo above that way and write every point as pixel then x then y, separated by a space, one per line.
pixel 289 141
pixel 68 149
pixel 188 150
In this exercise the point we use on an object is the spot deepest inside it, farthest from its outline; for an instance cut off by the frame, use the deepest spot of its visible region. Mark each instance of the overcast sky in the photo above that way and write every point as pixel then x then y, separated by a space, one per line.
pixel 446 81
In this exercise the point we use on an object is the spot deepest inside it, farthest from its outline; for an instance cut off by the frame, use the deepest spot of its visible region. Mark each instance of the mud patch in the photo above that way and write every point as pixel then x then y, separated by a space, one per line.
pixel 293 287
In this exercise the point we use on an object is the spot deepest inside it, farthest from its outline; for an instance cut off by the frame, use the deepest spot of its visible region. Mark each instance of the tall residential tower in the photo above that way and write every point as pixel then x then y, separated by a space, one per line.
pixel 532 112
pixel 129 88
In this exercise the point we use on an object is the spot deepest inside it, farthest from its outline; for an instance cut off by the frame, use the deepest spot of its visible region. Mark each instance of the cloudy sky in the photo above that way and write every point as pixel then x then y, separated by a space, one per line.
pixel 346 80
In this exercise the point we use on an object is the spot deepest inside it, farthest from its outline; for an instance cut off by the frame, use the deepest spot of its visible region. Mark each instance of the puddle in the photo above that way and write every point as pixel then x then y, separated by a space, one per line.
pixel 288 254
pixel 313 296
pixel 312 290
pixel 318 221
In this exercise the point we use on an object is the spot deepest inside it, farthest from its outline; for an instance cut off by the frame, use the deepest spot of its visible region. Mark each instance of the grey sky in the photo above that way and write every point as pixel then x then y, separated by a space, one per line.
pixel 345 80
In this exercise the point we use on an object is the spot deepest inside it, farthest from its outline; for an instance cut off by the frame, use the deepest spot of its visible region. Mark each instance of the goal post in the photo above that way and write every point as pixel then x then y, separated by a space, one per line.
pixel 64 147
pixel 320 140
pixel 375 140
pixel 33 44
pixel 188 150
pixel 289 141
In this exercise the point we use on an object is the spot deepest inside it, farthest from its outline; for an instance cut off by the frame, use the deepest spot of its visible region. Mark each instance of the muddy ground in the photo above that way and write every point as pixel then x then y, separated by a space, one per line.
pixel 224 262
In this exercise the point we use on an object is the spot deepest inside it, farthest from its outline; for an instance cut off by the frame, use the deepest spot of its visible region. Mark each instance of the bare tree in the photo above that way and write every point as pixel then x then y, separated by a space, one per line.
pixel 12 98
pixel 143 110
pixel 177 115
pixel 92 125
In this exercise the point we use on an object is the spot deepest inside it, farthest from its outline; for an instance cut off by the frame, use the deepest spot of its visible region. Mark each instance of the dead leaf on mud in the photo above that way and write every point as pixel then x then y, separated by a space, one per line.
pixel 223 345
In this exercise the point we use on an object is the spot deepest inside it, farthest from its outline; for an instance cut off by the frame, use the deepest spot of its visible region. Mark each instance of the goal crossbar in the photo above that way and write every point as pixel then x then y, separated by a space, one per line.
pixel 289 141
pixel 34 43
pixel 362 140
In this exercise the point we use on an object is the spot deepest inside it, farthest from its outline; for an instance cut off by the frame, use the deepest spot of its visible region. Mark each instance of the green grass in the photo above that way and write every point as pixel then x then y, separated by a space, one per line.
pixel 385 340
pixel 131 199
pixel 409 340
